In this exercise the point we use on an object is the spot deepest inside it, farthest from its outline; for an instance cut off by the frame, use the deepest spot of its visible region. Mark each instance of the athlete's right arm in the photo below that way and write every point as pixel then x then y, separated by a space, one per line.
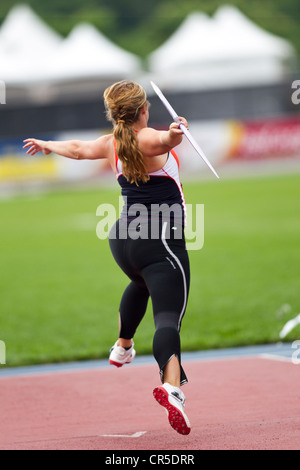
pixel 153 142
pixel 75 149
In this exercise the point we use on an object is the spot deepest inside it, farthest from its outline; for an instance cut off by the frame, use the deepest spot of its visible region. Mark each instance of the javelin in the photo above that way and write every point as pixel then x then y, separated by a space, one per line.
pixel 182 127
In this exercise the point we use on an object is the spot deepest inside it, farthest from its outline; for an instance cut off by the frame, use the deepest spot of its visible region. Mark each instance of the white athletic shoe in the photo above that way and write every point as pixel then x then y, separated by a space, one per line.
pixel 120 356
pixel 173 400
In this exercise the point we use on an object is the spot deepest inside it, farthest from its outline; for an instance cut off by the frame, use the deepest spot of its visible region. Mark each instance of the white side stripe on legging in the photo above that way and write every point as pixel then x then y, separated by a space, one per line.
pixel 163 237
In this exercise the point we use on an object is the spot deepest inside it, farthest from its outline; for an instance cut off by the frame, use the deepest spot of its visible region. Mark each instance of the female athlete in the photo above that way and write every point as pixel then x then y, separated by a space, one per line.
pixel 148 240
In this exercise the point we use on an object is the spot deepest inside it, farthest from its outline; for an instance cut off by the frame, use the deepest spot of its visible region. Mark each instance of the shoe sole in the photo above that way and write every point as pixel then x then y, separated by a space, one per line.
pixel 117 364
pixel 176 419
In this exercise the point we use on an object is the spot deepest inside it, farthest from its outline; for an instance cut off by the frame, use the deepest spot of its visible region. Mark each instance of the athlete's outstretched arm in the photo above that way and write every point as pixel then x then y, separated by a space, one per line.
pixel 75 149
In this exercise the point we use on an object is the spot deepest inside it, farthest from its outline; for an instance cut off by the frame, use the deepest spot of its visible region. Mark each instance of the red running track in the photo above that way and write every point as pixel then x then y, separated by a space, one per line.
pixel 237 403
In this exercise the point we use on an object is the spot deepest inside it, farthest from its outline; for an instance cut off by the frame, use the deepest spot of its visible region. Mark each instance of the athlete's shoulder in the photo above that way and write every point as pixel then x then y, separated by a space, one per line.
pixel 105 142
pixel 147 132
pixel 99 148
pixel 106 139
pixel 150 142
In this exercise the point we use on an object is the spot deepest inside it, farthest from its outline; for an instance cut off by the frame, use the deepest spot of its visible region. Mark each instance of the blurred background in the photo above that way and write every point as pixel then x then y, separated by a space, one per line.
pixel 232 69
pixel 228 68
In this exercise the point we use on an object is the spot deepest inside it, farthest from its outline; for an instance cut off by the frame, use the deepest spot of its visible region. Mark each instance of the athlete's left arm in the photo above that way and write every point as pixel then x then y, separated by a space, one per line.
pixel 75 149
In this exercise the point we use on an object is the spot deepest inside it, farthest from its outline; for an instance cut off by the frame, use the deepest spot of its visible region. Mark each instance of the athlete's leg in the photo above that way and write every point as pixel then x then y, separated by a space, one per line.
pixel 172 372
pixel 135 298
pixel 169 293
pixel 132 310
pixel 168 284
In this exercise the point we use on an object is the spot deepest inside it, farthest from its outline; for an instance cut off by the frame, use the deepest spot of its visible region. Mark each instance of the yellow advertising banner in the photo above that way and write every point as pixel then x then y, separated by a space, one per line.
pixel 18 168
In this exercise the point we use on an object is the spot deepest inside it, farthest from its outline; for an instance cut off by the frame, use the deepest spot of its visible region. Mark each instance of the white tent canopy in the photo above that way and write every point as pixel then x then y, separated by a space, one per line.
pixel 32 53
pixel 87 53
pixel 227 49
pixel 244 39
pixel 23 33
pixel 185 46
pixel 24 41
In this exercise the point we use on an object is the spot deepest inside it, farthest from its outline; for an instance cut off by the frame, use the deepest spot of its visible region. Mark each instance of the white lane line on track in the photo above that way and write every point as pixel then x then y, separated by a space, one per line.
pixel 135 435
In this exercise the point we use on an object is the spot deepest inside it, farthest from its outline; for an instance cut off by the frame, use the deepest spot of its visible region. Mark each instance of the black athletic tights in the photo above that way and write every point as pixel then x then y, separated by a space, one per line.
pixel 158 268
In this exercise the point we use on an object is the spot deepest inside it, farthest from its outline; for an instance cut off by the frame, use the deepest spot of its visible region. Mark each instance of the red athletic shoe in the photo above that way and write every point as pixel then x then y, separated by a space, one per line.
pixel 173 400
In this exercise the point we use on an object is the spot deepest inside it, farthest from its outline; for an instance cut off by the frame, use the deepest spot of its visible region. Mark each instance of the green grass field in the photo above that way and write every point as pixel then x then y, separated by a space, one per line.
pixel 60 287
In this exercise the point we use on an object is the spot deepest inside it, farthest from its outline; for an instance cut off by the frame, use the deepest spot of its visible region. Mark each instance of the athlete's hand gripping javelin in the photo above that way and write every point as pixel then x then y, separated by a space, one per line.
pixel 176 125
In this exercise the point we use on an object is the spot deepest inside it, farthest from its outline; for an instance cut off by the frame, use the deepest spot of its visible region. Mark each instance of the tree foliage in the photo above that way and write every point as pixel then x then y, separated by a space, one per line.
pixel 142 26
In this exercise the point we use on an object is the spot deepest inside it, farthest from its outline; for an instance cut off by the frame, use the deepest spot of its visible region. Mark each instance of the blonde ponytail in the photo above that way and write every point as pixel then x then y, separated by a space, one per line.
pixel 123 102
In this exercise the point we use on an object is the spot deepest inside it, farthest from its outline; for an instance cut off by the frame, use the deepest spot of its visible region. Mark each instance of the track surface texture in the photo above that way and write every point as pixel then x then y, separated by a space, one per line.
pixel 239 402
